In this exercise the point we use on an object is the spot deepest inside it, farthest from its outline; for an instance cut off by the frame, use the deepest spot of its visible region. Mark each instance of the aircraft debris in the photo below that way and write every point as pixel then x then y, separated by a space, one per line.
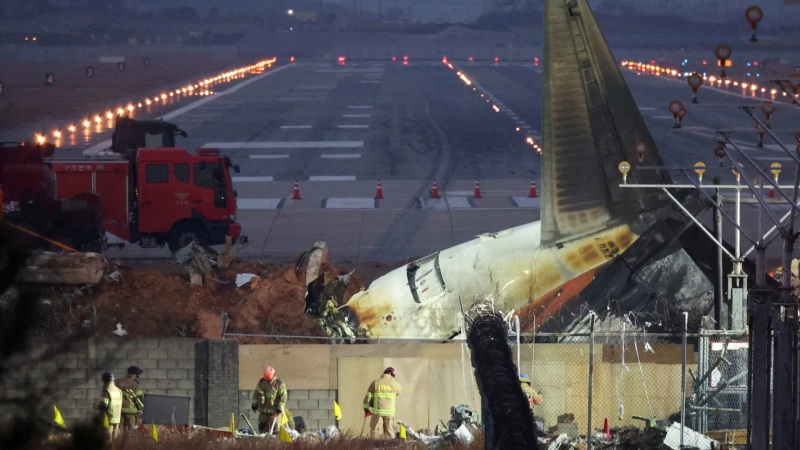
pixel 690 437
pixel 244 278
pixel 120 331
pixel 62 268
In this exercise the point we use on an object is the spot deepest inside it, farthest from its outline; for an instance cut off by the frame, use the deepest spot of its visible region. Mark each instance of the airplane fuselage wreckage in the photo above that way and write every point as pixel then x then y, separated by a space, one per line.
pixel 627 254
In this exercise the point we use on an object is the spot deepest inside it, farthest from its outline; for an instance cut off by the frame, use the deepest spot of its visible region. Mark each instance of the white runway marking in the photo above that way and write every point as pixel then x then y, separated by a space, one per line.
pixel 356 115
pixel 269 156
pixel 295 127
pixel 332 178
pixel 285 144
pixel 180 111
pixel 445 203
pixel 342 156
pixel 353 126
pixel 525 202
pixel 259 203
pixel 360 107
pixel 251 179
pixel 350 203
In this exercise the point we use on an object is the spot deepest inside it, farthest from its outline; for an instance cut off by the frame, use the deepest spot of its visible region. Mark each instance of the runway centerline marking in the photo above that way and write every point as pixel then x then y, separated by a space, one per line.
pixel 269 156
pixel 342 156
pixel 295 127
pixel 360 107
pixel 251 179
pixel 259 203
pixel 332 178
pixel 284 144
pixel 350 203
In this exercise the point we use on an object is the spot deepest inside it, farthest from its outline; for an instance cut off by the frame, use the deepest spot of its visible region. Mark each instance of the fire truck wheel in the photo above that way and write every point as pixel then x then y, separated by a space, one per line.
pixel 185 233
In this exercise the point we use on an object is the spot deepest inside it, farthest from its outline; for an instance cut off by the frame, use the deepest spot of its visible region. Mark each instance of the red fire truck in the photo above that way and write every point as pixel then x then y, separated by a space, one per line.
pixel 149 195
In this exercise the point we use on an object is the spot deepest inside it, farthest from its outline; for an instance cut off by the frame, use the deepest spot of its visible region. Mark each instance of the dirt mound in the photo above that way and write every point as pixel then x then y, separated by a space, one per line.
pixel 159 301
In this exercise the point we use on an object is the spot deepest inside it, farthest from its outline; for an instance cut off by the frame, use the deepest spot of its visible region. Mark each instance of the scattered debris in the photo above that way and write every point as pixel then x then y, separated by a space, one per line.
pixel 690 437
pixel 244 278
pixel 198 261
pixel 113 276
pixel 62 269
pixel 120 331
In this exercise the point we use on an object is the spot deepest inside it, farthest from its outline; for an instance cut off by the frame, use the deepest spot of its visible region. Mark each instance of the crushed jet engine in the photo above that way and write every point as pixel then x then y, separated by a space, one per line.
pixel 597 247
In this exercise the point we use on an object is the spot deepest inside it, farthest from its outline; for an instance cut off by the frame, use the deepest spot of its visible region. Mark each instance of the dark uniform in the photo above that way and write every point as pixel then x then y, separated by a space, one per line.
pixel 132 398
pixel 269 399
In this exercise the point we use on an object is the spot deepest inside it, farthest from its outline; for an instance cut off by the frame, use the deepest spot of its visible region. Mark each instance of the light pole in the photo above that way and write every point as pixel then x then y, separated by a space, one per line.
pixel 772 318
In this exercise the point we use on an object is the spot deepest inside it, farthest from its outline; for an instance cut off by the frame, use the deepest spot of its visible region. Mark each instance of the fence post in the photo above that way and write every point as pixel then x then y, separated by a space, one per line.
pixel 591 380
pixel 683 374
pixel 224 319
pixel 519 359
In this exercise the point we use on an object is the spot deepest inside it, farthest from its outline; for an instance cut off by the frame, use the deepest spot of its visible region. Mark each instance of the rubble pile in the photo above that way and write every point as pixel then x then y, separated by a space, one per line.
pixel 168 299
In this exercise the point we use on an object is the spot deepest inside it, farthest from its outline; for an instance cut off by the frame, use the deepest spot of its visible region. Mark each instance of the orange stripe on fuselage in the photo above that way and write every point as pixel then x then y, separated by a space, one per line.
pixel 547 305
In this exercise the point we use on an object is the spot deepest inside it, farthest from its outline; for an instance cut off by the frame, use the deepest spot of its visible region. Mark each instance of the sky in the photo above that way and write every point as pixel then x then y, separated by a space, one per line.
pixel 468 10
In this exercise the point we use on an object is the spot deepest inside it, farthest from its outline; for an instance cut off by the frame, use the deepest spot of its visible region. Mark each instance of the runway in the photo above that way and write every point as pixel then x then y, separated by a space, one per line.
pixel 339 129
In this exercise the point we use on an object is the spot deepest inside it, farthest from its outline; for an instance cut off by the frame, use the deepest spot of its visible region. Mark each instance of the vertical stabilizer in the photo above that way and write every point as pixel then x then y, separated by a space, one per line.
pixel 590 124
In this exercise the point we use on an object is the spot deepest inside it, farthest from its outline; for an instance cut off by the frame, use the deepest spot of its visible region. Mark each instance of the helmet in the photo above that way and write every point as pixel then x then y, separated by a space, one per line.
pixel 133 370
pixel 108 377
pixel 390 371
pixel 269 373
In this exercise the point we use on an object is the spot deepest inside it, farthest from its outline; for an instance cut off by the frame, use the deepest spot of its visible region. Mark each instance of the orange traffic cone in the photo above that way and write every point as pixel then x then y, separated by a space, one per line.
pixel 296 191
pixel 606 431
pixel 532 193
pixel 435 190
pixel 379 191
pixel 477 193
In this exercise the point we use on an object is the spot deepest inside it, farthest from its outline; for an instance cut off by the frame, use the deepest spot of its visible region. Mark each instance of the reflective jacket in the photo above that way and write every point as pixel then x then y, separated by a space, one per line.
pixel 381 395
pixel 130 392
pixel 533 397
pixel 111 403
pixel 268 395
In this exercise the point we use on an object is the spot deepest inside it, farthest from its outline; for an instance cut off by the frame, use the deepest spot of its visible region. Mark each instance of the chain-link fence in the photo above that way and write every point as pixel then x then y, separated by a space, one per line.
pixel 636 379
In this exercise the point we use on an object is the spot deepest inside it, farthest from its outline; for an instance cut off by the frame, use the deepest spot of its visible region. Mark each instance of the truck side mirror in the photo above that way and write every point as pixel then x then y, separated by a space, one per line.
pixel 237 169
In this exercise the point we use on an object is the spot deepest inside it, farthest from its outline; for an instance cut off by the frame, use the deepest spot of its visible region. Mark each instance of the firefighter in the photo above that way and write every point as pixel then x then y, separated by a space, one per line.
pixel 380 399
pixel 132 398
pixel 533 397
pixel 110 404
pixel 269 400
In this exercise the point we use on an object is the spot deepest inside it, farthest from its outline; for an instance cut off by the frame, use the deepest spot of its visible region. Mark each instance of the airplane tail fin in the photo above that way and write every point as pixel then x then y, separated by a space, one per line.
pixel 590 124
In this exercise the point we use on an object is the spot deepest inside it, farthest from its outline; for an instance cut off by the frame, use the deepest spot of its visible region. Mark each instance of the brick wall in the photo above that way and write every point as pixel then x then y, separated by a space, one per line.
pixel 172 366
pixel 315 407
pixel 223 381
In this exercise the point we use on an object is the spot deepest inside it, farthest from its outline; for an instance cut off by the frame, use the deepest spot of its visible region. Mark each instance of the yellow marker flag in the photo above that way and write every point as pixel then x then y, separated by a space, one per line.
pixel 57 417
pixel 105 421
pixel 284 435
pixel 154 432
pixel 232 425
pixel 402 431
pixel 337 412
pixel 284 419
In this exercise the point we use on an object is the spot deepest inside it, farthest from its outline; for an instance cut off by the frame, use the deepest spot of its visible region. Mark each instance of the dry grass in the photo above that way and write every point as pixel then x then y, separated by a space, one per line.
pixel 208 440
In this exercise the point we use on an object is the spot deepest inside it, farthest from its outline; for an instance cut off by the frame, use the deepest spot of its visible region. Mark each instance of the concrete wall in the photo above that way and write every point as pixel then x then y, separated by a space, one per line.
pixel 314 406
pixel 172 366
pixel 438 376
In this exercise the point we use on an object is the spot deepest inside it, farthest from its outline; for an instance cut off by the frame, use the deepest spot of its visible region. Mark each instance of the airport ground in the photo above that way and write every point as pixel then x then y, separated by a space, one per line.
pixel 339 129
